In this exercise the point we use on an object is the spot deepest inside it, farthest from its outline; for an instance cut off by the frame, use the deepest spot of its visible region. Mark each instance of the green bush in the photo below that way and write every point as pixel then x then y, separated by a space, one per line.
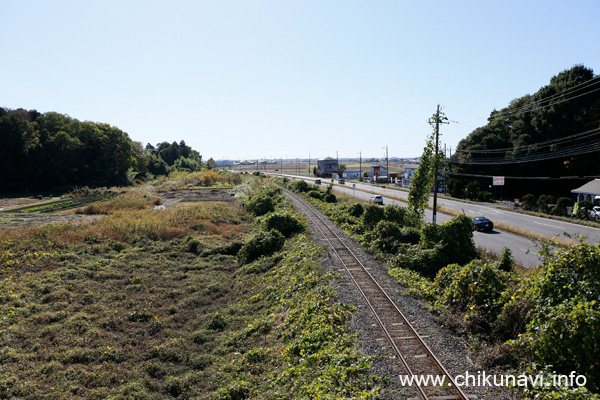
pixel 410 235
pixel 316 194
pixel 261 243
pixel 543 201
pixel 439 245
pixel 568 338
pixel 568 273
pixel 330 198
pixel 564 330
pixel 372 215
pixel 529 202
pixel 427 262
pixel 388 237
pixel 192 245
pixel 384 237
pixel 561 206
pixel 356 210
pixel 300 186
pixel 396 214
pixel 475 289
pixel 505 263
pixel 456 188
pixel 485 196
pixel 472 190
pixel 285 222
pixel 260 204
pixel 455 238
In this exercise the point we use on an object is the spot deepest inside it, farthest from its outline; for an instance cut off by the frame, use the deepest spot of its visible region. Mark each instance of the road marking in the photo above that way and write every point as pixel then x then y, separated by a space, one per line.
pixel 551 226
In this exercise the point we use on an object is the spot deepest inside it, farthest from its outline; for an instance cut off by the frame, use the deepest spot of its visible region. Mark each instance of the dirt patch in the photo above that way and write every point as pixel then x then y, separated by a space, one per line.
pixel 16 220
pixel 7 203
pixel 37 203
pixel 195 195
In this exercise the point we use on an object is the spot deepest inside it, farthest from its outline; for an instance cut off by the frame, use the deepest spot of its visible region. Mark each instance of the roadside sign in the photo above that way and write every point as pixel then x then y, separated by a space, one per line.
pixel 498 181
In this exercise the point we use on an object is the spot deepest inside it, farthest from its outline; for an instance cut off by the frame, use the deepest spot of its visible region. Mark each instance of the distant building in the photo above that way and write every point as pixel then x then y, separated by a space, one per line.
pixel 376 171
pixel 224 163
pixel 588 192
pixel 327 167
pixel 409 172
pixel 349 174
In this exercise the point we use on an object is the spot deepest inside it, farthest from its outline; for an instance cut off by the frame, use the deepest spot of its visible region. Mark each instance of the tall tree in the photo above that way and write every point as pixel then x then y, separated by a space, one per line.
pixel 423 180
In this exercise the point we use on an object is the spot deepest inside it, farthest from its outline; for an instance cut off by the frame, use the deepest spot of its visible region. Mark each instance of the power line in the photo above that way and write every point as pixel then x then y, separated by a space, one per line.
pixel 531 106
pixel 577 136
pixel 555 103
pixel 584 148
pixel 526 177
pixel 537 104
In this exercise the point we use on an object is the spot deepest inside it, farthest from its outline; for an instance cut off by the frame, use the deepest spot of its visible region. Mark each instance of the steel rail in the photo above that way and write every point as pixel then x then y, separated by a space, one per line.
pixel 417 336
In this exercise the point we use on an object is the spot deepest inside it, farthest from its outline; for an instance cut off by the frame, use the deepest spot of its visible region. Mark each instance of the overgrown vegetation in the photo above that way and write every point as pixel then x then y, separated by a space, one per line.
pixel 151 303
pixel 56 206
pixel 548 319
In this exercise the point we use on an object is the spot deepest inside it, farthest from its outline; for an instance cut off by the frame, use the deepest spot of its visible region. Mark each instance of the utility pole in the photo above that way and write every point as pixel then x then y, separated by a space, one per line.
pixel 337 160
pixel 437 120
pixel 360 176
pixel 387 166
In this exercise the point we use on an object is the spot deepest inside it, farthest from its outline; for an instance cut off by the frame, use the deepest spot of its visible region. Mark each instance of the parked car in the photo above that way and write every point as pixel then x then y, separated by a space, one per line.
pixel 594 212
pixel 376 199
pixel 317 181
pixel 483 224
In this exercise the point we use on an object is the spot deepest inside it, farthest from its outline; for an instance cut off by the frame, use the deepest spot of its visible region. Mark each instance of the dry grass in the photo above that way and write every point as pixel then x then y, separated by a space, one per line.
pixel 131 200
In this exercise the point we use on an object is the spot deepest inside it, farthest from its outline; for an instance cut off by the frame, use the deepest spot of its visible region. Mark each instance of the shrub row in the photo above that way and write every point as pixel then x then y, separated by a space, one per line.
pixel 276 223
pixel 547 319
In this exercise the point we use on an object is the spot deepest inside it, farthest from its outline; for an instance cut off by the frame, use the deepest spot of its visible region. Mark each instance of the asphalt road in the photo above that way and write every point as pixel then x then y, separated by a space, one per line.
pixel 524 250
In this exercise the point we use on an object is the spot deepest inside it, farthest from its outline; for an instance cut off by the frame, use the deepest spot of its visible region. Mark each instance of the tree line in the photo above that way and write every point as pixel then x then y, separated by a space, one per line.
pixel 537 127
pixel 42 151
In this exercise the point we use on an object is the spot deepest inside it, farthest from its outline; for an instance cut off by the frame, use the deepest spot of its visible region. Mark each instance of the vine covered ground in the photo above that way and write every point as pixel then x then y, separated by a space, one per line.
pixel 153 303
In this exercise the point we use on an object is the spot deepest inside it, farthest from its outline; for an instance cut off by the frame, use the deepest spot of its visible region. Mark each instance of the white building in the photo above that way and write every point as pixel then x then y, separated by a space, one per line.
pixel 349 174
pixel 588 192
pixel 409 172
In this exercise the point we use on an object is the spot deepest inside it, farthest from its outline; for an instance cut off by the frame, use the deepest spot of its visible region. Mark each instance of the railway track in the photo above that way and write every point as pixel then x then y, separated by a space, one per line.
pixel 412 352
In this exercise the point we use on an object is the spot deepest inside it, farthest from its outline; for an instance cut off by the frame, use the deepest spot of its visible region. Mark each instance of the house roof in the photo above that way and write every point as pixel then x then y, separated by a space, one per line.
pixel 592 187
pixel 411 166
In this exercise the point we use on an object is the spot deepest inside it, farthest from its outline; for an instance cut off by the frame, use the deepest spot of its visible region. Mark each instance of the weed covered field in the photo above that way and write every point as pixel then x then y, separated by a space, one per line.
pixel 148 303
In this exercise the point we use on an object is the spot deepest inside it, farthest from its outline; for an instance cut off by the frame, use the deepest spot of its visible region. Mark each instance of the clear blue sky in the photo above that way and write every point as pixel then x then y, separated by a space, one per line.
pixel 253 78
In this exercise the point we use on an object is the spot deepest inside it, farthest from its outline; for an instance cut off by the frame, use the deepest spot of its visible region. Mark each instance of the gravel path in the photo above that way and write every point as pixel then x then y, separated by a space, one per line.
pixel 451 351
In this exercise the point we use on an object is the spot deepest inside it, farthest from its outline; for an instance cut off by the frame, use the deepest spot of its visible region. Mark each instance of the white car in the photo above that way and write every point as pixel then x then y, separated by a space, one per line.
pixel 594 212
pixel 376 199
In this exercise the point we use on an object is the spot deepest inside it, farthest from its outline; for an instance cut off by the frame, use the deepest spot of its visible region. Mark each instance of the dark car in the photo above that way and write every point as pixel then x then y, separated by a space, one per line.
pixel 483 224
